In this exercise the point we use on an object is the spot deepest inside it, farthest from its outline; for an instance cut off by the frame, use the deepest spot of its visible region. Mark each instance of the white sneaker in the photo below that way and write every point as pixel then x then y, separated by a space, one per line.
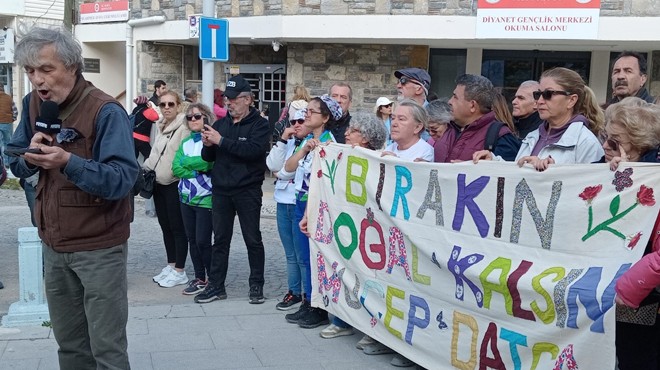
pixel 173 279
pixel 334 331
pixel 163 274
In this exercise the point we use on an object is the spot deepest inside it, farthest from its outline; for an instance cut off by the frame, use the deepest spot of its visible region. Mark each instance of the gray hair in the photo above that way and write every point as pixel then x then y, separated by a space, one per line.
pixel 479 89
pixel 371 128
pixel 190 93
pixel 418 112
pixel 530 83
pixel 203 109
pixel 68 50
pixel 439 111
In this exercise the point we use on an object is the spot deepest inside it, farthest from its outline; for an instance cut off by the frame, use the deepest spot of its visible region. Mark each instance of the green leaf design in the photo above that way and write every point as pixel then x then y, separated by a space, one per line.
pixel 614 205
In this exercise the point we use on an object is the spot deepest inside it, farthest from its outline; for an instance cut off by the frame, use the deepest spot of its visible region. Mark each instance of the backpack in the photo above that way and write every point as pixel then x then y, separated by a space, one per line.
pixel 491 135
pixel 132 118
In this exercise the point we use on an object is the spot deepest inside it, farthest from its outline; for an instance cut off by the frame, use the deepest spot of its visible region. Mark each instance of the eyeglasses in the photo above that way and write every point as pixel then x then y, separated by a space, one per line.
pixel 547 94
pixel 353 130
pixel 312 111
pixel 167 104
pixel 197 117
pixel 297 121
pixel 612 144
pixel 405 80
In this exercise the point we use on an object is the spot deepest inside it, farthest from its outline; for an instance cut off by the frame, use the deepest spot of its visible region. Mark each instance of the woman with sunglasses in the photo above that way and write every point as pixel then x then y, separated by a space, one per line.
pixel 383 109
pixel 633 135
pixel 195 194
pixel 171 131
pixel 571 122
pixel 321 116
pixel 285 196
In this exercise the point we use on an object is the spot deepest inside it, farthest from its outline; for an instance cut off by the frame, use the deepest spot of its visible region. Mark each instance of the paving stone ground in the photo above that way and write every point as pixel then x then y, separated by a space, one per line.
pixel 167 330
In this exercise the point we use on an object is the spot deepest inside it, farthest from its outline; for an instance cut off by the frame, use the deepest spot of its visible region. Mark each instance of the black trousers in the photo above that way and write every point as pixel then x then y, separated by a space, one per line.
pixel 168 210
pixel 199 227
pixel 247 205
pixel 638 346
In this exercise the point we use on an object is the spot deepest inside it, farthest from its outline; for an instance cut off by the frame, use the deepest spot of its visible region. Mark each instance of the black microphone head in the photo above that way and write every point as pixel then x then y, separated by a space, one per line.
pixel 47 122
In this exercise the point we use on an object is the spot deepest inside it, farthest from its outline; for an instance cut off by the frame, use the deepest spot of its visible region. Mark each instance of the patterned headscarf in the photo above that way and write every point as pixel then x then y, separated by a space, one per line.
pixel 333 106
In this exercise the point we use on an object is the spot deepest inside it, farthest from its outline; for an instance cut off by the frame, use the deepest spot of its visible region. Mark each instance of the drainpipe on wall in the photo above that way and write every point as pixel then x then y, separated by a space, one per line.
pixel 131 54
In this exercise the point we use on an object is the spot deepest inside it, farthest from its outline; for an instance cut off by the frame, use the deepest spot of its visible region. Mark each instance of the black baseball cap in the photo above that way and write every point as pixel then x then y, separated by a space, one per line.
pixel 235 86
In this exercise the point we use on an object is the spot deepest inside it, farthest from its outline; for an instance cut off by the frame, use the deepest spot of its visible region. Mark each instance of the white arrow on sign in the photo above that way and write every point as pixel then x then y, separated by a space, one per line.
pixel 214 30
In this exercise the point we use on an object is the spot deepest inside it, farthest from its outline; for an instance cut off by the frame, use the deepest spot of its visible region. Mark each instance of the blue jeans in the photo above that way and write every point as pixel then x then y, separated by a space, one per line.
pixel 303 250
pixel 5 137
pixel 287 228
pixel 198 222
pixel 341 323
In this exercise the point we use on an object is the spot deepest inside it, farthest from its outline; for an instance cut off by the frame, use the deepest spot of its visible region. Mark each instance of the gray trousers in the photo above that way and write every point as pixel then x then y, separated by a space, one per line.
pixel 88 305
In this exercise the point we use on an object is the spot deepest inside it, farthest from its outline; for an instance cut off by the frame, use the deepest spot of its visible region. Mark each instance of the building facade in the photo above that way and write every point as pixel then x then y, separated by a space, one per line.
pixel 320 42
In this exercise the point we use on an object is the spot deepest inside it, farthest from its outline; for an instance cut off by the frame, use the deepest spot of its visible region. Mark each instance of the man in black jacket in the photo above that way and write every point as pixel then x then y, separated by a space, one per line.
pixel 525 117
pixel 343 94
pixel 237 145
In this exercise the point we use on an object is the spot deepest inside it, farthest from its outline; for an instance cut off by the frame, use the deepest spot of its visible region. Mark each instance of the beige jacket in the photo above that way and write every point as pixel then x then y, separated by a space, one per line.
pixel 169 138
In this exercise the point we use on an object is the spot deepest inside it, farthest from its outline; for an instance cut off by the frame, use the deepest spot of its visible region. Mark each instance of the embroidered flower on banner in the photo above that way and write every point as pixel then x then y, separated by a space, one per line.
pixel 622 179
pixel 634 240
pixel 645 196
pixel 590 192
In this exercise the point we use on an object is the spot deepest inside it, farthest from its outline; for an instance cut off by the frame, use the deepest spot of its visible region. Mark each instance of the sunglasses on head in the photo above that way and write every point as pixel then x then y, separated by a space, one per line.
pixel 297 121
pixel 168 104
pixel 197 117
pixel 547 94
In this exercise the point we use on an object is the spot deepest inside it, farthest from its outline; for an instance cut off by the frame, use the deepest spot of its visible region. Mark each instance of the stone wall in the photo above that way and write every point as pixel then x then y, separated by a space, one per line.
pixel 367 68
pixel 181 9
pixel 159 62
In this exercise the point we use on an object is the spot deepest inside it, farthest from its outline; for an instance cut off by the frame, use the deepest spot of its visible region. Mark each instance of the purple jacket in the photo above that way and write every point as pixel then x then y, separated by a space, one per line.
pixel 460 145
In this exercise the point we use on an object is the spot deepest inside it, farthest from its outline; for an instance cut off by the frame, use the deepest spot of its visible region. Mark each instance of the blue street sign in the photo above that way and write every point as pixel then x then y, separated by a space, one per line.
pixel 213 39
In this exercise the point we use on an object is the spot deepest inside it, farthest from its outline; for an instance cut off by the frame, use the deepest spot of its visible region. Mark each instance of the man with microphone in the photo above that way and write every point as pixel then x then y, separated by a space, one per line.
pixel 86 169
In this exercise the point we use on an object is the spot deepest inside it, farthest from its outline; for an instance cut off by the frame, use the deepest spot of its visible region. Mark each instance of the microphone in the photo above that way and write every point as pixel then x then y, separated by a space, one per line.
pixel 47 122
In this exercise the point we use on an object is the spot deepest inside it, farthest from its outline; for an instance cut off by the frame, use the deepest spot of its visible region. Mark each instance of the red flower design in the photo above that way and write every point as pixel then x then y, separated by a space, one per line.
pixel 339 156
pixel 590 192
pixel 322 153
pixel 634 240
pixel 319 174
pixel 645 196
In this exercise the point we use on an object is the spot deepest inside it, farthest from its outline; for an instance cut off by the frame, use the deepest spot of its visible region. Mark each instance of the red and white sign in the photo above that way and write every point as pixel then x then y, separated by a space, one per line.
pixel 538 19
pixel 106 11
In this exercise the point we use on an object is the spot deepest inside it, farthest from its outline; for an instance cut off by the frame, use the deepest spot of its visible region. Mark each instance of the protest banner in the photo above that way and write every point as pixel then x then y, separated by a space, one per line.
pixel 477 266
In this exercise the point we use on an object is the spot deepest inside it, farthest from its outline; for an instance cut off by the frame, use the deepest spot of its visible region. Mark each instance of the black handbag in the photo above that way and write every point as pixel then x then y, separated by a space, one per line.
pixel 148 179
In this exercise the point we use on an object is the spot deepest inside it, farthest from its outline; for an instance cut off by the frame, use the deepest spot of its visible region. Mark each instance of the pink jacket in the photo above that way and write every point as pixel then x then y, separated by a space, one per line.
pixel 219 111
pixel 635 284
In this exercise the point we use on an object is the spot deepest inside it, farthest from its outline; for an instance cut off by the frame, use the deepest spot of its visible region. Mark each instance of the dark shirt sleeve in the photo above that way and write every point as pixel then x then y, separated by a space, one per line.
pixel 507 147
pixel 21 139
pixel 113 169
pixel 254 145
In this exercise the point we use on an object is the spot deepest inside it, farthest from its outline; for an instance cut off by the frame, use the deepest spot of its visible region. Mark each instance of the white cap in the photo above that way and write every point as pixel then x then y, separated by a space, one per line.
pixel 300 114
pixel 383 101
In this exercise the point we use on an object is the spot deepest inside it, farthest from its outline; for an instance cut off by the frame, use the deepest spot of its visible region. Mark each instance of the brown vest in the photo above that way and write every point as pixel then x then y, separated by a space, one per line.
pixel 6 113
pixel 69 219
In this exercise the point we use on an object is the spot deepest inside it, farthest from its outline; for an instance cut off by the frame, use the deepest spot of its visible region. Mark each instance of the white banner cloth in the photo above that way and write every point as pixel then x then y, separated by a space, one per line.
pixel 477 266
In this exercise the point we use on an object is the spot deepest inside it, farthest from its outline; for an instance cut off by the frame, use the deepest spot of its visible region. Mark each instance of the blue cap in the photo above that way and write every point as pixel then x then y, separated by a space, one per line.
pixel 416 74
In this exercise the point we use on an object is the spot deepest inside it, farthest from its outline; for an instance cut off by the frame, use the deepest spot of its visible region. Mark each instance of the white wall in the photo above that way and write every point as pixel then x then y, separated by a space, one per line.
pixel 113 66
